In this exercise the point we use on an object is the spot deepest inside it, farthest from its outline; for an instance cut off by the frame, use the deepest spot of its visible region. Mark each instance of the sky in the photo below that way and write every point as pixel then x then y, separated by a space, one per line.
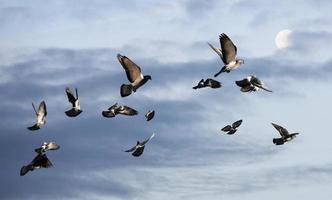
pixel 48 46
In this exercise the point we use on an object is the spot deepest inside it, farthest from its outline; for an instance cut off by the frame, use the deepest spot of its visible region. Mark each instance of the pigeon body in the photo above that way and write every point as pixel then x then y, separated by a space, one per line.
pixel 119 109
pixel 251 84
pixel 149 115
pixel 40 116
pixel 41 160
pixel 285 135
pixel 207 83
pixel 134 75
pixel 139 147
pixel 76 107
pixel 227 53
pixel 231 129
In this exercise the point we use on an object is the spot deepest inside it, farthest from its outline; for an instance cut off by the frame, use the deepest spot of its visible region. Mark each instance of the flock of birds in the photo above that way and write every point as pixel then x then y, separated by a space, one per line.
pixel 228 54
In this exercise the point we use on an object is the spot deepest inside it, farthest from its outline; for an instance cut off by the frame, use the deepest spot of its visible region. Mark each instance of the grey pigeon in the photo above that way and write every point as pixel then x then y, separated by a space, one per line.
pixel 119 109
pixel 285 136
pixel 251 83
pixel 139 147
pixel 231 129
pixel 40 116
pixel 149 115
pixel 76 107
pixel 134 75
pixel 227 53
pixel 208 83
pixel 41 160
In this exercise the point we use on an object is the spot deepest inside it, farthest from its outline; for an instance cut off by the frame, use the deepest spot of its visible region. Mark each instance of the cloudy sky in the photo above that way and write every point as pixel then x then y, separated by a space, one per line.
pixel 46 46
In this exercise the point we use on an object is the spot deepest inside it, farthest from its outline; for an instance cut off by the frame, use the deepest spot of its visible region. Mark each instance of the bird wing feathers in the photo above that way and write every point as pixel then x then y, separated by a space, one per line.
pixel 228 49
pixel 133 71
pixel 71 97
pixel 283 132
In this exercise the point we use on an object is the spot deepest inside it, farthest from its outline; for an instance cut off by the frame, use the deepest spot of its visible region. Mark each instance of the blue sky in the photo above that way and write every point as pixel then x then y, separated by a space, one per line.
pixel 46 47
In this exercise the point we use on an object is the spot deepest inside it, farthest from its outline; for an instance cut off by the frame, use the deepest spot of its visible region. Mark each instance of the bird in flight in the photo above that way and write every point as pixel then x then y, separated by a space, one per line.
pixel 285 136
pixel 119 109
pixel 40 116
pixel 134 75
pixel 207 83
pixel 76 107
pixel 251 83
pixel 231 129
pixel 41 160
pixel 149 115
pixel 139 147
pixel 227 53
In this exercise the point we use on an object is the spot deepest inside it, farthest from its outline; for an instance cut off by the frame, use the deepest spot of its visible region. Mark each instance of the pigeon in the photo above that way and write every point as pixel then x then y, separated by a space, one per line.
pixel 76 108
pixel 207 83
pixel 149 115
pixel 251 83
pixel 40 115
pixel 227 53
pixel 41 160
pixel 119 109
pixel 231 129
pixel 134 75
pixel 139 147
pixel 285 136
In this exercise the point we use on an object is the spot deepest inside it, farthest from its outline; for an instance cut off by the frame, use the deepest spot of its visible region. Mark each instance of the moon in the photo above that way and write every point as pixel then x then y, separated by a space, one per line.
pixel 283 40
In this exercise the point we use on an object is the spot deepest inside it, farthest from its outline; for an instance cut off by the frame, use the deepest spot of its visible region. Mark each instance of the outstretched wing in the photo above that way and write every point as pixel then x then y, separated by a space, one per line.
pixel 258 83
pixel 131 150
pixel 133 71
pixel 228 49
pixel 243 83
pixel 52 146
pixel 283 132
pixel 227 128
pixel 218 51
pixel 71 97
pixel 147 140
pixel 126 110
pixel 212 83
pixel 237 123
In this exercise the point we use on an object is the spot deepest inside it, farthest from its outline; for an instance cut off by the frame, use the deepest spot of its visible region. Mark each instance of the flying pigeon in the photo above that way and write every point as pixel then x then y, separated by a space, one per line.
pixel 139 147
pixel 134 75
pixel 285 136
pixel 119 109
pixel 40 115
pixel 76 107
pixel 231 129
pixel 251 83
pixel 208 83
pixel 41 160
pixel 149 115
pixel 227 53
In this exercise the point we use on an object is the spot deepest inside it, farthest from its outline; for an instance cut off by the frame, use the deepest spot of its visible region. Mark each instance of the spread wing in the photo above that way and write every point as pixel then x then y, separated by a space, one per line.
pixel 42 109
pixel 126 110
pixel 243 83
pixel 227 128
pixel 228 49
pixel 237 123
pixel 283 132
pixel 71 97
pixel 133 71
pixel 218 51
pixel 131 150
pixel 147 140
pixel 258 83
pixel 212 83
pixel 53 146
